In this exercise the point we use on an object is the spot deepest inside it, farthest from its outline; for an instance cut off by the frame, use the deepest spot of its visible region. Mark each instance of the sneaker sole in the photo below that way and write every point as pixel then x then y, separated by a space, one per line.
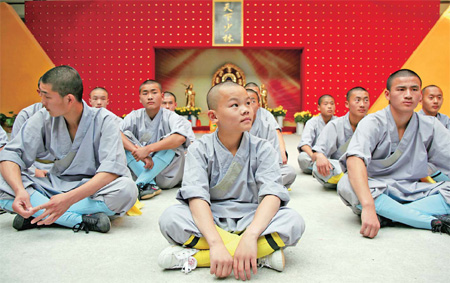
pixel 105 228
pixel 149 196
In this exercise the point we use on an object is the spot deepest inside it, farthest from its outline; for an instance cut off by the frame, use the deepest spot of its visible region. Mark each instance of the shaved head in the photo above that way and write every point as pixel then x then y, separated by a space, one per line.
pixel 213 96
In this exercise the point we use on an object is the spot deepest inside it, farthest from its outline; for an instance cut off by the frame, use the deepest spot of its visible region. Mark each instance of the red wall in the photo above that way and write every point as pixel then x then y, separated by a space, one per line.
pixel 345 43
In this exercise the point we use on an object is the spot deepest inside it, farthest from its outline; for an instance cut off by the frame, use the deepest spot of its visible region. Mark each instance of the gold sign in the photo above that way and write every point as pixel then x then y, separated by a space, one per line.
pixel 228 19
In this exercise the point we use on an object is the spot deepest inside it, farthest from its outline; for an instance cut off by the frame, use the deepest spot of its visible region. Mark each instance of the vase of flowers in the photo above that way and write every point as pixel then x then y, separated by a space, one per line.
pixel 190 113
pixel 183 112
pixel 301 118
pixel 279 113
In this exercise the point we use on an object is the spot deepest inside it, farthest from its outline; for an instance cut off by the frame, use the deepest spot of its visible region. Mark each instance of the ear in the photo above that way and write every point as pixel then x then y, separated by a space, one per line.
pixel 212 116
pixel 70 98
pixel 346 104
pixel 387 94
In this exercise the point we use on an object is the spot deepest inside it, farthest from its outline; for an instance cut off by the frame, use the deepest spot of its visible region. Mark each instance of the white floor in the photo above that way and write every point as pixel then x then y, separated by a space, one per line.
pixel 331 249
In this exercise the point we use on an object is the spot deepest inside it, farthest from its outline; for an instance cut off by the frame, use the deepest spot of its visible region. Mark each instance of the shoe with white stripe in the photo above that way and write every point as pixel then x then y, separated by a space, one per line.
pixel 178 257
pixel 274 261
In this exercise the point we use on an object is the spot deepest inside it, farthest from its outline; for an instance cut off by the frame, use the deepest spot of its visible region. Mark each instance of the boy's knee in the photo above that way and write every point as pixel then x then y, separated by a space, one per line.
pixel 165 182
pixel 170 222
pixel 123 197
pixel 292 229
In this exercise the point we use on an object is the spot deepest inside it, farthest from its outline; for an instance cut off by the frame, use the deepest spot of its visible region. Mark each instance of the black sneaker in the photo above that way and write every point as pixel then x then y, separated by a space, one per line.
pixel 148 191
pixel 441 224
pixel 94 222
pixel 21 223
pixel 385 222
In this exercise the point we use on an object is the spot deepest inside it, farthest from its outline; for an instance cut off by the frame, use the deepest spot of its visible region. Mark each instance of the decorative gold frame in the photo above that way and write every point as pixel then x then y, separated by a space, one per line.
pixel 231 72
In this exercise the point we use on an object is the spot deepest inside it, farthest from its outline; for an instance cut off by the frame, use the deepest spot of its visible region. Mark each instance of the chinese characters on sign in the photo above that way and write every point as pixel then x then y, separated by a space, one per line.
pixel 227 25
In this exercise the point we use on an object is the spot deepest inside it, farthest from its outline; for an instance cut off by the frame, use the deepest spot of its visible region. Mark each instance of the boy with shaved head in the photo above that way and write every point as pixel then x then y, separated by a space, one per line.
pixel 432 100
pixel 98 97
pixel 170 103
pixel 312 130
pixel 266 131
pixel 268 119
pixel 386 158
pixel 335 137
pixel 155 140
pixel 232 212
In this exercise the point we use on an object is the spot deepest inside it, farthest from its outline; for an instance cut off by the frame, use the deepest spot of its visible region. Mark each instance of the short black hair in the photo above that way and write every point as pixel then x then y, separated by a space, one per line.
pixel 168 93
pixel 99 87
pixel 428 86
pixel 360 88
pixel 324 96
pixel 252 91
pixel 251 84
pixel 148 82
pixel 39 82
pixel 64 80
pixel 401 73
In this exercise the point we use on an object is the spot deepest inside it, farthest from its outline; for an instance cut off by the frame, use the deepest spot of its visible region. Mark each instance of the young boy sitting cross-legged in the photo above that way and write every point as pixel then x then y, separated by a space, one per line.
pixel 233 211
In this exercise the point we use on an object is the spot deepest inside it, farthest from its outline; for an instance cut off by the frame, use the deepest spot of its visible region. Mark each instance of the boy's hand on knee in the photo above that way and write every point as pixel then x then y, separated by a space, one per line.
pixel 54 208
pixel 221 261
pixel 22 204
pixel 245 258
pixel 323 165
pixel 148 162
pixel 140 153
pixel 370 225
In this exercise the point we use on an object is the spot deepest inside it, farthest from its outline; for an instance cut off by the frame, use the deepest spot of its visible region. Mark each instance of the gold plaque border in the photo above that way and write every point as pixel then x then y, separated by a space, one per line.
pixel 242 23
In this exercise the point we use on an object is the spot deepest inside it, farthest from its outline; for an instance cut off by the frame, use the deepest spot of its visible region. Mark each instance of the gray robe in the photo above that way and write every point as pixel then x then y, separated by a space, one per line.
pixel 3 137
pixel 310 135
pixel 333 142
pixel 269 118
pixel 23 116
pixel 233 186
pixel 444 119
pixel 395 166
pixel 97 147
pixel 43 162
pixel 264 130
pixel 140 129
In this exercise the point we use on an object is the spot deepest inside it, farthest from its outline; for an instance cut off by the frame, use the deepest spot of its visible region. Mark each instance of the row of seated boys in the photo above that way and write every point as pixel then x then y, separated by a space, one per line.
pixel 233 209
pixel 389 166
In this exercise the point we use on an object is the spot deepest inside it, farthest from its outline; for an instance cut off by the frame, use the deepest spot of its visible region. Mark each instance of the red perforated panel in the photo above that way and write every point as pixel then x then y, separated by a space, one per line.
pixel 344 43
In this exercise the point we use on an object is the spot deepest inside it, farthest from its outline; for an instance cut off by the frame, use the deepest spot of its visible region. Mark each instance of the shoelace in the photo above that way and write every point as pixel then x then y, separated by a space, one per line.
pixel 80 226
pixel 187 267
pixel 186 262
pixel 261 262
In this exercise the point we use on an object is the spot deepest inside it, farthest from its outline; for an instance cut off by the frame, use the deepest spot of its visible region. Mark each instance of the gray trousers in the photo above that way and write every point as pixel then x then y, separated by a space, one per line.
pixel 173 173
pixel 403 191
pixel 119 195
pixel 337 170
pixel 304 161
pixel 177 225
pixel 287 175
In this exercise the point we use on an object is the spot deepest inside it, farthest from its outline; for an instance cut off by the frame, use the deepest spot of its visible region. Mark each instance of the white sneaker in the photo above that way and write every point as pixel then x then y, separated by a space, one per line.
pixel 175 257
pixel 274 261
